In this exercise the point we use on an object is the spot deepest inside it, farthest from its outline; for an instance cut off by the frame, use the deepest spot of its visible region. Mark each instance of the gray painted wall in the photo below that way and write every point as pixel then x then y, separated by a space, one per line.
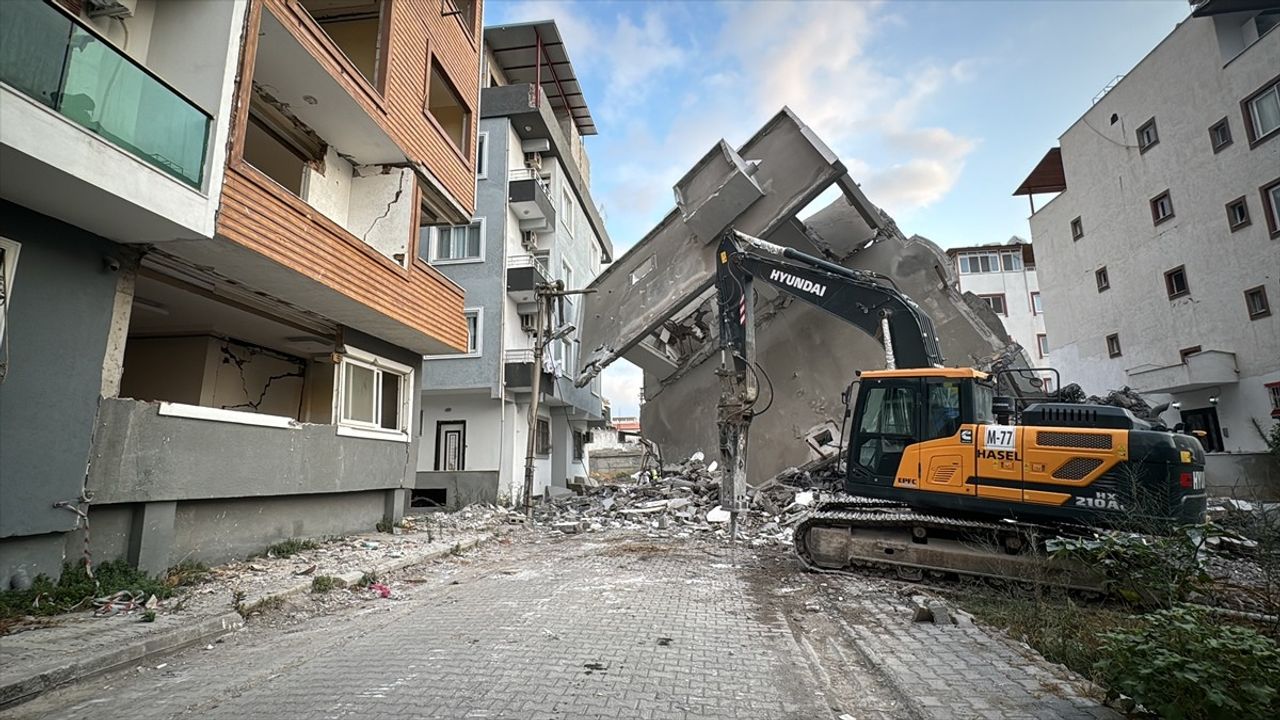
pixel 57 327
pixel 485 282
pixel 141 456
pixel 462 488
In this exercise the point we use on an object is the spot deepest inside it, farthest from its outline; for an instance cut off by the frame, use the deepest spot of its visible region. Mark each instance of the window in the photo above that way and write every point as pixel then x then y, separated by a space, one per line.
pixel 1042 344
pixel 579 442
pixel 1266 20
pixel 1010 262
pixel 458 243
pixel 1220 135
pixel 464 10
pixel 944 409
pixel 566 209
pixel 1238 214
pixel 1036 307
pixel 474 328
pixel 888 426
pixel 996 303
pixel 1185 353
pixel 482 156
pixel 1101 276
pixel 1273 392
pixel 1077 229
pixel 1161 208
pixel 566 274
pixel 1271 206
pixel 374 394
pixel 1113 345
pixel 542 438
pixel 8 268
pixel 1262 113
pixel 1255 299
pixel 1175 282
pixel 445 106
pixel 268 151
pixel 1147 135
pixel 989 262
pixel 357 28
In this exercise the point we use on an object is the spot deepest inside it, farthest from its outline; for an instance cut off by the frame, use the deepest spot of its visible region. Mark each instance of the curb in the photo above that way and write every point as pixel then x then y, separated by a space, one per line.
pixel 914 708
pixel 27 688
pixel 201 631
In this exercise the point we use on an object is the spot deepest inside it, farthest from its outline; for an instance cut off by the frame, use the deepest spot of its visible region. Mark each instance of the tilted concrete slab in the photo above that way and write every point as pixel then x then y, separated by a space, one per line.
pixel 757 190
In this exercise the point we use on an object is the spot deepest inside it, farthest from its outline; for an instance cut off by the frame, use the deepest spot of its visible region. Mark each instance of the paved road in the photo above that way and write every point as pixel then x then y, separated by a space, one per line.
pixel 616 626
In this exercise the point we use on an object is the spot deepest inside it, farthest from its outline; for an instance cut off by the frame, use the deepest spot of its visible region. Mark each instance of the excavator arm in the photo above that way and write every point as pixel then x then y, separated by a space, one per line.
pixel 865 300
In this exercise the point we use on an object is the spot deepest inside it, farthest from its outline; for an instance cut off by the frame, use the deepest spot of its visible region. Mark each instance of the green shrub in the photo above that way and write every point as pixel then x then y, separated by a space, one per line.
pixel 291 547
pixel 325 583
pixel 1187 665
pixel 1148 570
pixel 75 590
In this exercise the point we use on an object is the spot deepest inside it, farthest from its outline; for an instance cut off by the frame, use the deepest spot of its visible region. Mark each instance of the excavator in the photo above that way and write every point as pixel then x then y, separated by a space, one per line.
pixel 942 475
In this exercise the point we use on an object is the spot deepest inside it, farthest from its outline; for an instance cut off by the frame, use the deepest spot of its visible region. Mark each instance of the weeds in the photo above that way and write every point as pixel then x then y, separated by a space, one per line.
pixel 187 572
pixel 291 547
pixel 75 590
pixel 368 578
pixel 148 616
pixel 325 583
pixel 1058 627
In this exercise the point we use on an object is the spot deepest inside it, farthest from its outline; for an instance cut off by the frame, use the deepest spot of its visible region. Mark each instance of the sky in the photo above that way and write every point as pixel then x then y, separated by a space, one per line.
pixel 939 109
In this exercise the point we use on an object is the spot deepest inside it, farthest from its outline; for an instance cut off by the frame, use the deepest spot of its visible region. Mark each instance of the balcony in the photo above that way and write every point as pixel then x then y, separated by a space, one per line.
pixel 1201 370
pixel 530 198
pixel 51 58
pixel 517 369
pixel 524 273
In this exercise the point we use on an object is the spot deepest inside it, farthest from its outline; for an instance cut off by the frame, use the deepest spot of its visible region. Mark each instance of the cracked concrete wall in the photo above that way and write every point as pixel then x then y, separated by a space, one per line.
pixel 381 211
pixel 811 356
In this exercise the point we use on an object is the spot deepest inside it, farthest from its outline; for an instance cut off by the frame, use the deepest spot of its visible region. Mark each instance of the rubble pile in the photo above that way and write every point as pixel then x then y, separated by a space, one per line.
pixel 681 500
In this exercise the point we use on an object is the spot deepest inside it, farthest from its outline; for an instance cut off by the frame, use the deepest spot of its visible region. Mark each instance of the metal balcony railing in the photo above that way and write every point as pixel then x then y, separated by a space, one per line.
pixel 49 56
pixel 518 356
pixel 534 261
pixel 526 173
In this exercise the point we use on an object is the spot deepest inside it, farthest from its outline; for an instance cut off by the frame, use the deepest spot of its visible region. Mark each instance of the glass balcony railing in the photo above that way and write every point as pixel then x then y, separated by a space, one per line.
pixel 50 57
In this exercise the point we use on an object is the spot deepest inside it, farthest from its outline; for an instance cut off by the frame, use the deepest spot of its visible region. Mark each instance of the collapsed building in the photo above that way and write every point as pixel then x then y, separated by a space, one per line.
pixel 656 306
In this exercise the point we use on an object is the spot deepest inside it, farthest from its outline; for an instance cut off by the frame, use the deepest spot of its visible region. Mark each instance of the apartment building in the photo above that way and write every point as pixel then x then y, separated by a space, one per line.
pixel 535 222
pixel 213 309
pixel 1160 250
pixel 1004 277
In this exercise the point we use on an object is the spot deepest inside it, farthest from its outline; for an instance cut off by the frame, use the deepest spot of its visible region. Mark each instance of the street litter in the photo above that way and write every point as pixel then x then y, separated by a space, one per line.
pixel 380 589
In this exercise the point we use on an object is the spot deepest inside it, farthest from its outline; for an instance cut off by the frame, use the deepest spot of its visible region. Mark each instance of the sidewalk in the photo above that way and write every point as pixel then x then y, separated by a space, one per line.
pixel 79 645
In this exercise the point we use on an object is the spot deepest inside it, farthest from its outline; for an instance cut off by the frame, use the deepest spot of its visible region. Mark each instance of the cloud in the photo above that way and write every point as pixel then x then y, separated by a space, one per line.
pixel 621 383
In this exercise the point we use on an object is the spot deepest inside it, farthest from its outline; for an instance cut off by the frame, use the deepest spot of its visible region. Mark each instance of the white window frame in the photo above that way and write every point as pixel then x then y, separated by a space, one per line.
pixel 566 209
pixel 434 237
pixel 382 367
pixel 1253 112
pixel 1273 194
pixel 482 156
pixel 1037 303
pixel 12 248
pixel 478 312
pixel 1042 344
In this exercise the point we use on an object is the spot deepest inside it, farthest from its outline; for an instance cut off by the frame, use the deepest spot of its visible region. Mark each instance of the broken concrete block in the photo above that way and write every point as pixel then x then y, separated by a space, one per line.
pixel 718 515
pixel 569 528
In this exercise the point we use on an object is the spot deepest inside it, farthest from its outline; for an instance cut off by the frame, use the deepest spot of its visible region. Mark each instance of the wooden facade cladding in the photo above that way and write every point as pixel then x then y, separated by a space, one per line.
pixel 263 216
pixel 417 32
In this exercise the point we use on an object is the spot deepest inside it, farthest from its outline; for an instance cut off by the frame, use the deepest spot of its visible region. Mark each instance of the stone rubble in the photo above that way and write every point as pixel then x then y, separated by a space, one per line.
pixel 681 501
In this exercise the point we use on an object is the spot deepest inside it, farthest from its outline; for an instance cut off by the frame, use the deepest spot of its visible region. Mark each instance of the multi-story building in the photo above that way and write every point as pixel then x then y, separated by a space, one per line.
pixel 1159 252
pixel 213 310
pixel 1004 277
pixel 535 222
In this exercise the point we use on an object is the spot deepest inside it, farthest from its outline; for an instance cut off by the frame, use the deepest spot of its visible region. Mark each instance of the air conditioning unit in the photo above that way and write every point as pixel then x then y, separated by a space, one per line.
pixel 110 8
pixel 533 161
pixel 529 240
pixel 528 323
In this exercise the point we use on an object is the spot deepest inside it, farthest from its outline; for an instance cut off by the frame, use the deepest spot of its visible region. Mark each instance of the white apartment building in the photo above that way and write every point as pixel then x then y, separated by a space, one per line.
pixel 1160 251
pixel 535 222
pixel 1004 276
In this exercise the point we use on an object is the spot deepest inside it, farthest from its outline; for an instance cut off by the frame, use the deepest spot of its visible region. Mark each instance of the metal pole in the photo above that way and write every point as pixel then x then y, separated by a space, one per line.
pixel 530 446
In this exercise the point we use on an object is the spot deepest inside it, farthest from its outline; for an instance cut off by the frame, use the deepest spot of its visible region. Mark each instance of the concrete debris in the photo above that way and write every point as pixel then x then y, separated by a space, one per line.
pixel 684 499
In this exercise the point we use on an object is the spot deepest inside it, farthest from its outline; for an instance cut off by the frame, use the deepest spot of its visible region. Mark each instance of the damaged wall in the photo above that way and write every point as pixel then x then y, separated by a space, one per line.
pixel 811 356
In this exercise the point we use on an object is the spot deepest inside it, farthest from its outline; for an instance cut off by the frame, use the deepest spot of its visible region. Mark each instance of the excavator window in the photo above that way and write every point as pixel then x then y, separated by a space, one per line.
pixel 944 409
pixel 887 425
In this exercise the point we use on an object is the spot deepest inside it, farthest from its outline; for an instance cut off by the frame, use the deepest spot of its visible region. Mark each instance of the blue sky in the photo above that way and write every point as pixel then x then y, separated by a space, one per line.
pixel 939 109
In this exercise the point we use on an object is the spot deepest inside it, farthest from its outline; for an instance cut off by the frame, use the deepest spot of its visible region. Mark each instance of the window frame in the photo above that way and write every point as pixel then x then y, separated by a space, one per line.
pixel 1242 201
pixel 482 155
pixel 1273 394
pixel 566 208
pixel 1155 135
pixel 1155 204
pixel 1187 352
pixel 1118 351
pixel 1266 303
pixel 1077 228
pixel 1169 289
pixel 468 131
pixel 1102 278
pixel 478 313
pixel 1224 123
pixel 1004 303
pixel 1035 296
pixel 434 236
pixel 381 367
pixel 1246 110
pixel 539 435
pixel 1042 344
pixel 8 271
pixel 1270 208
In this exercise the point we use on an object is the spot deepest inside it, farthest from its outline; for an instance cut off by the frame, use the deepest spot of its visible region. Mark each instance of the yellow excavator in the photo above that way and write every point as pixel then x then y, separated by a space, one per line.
pixel 940 473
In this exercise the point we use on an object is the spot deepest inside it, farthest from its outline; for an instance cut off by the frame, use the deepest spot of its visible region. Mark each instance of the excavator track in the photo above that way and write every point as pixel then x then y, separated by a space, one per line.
pixel 845 533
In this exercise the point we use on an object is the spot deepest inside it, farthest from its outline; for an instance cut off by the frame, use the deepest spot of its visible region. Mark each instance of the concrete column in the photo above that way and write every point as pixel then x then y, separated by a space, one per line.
pixel 151 537
pixel 394 503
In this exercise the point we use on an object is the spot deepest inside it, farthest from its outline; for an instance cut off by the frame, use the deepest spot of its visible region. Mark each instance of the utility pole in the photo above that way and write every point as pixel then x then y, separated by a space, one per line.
pixel 546 294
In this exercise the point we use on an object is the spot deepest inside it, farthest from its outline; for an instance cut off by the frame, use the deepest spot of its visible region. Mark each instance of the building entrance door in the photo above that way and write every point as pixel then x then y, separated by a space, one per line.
pixel 451 445
pixel 1206 420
